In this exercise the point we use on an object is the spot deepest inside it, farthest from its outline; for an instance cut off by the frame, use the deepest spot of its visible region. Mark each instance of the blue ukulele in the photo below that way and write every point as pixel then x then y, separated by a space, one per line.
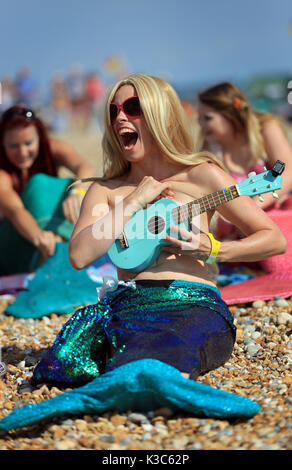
pixel 139 245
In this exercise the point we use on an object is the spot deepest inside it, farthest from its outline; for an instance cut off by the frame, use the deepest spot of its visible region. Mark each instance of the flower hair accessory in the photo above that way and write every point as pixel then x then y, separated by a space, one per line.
pixel 237 103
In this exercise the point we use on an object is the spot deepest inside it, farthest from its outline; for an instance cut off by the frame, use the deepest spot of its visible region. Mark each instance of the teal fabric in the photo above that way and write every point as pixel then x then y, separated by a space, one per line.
pixel 56 288
pixel 142 385
pixel 42 197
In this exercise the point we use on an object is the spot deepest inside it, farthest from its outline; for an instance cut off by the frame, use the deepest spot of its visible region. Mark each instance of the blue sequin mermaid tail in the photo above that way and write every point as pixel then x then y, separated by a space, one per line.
pixel 183 324
pixel 143 385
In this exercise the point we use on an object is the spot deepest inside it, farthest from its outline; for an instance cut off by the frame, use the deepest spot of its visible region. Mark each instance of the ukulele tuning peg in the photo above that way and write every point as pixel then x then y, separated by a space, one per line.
pixel 275 195
pixel 261 199
pixel 252 173
pixel 265 168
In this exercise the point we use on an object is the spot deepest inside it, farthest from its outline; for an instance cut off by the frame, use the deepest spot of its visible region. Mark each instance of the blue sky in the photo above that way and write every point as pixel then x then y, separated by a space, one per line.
pixel 184 41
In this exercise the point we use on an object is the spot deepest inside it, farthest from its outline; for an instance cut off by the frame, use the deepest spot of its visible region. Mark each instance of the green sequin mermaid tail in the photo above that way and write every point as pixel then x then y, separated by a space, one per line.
pixel 79 354
pixel 142 385
pixel 42 197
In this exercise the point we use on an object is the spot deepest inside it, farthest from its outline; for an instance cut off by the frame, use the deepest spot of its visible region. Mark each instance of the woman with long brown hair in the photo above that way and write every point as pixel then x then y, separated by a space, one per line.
pixel 248 141
pixel 34 203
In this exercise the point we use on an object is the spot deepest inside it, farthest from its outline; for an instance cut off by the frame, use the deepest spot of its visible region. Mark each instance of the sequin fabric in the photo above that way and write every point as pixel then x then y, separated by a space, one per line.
pixel 143 385
pixel 184 324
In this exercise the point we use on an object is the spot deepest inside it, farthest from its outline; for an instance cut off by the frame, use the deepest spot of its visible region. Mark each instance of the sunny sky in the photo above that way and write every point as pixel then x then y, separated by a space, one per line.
pixel 184 41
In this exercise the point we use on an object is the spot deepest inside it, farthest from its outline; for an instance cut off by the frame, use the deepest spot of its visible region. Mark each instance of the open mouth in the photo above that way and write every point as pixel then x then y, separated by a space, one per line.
pixel 24 162
pixel 128 138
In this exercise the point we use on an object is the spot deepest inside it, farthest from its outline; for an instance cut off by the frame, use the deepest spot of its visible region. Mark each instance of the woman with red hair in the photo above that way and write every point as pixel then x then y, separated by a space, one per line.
pixel 36 208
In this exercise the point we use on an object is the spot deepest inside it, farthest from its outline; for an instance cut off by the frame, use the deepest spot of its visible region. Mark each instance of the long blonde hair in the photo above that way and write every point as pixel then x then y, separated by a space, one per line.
pixel 166 120
pixel 227 99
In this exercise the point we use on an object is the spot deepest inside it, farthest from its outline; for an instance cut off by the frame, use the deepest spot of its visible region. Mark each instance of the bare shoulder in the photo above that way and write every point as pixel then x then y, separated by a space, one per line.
pixel 102 190
pixel 64 153
pixel 105 185
pixel 272 123
pixel 210 177
pixel 58 145
pixel 5 180
pixel 272 129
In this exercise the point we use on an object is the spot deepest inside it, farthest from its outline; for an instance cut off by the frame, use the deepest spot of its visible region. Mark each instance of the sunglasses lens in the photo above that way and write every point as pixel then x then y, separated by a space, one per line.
pixel 113 112
pixel 132 107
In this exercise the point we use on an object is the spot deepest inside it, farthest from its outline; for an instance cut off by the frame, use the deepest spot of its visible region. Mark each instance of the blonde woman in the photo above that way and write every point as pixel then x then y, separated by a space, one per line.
pixel 172 310
pixel 248 141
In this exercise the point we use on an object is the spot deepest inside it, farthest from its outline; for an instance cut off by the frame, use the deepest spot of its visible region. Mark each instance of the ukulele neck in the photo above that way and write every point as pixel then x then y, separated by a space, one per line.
pixel 205 204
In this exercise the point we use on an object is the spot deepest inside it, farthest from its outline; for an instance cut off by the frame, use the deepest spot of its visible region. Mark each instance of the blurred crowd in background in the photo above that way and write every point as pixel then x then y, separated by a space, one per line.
pixel 74 101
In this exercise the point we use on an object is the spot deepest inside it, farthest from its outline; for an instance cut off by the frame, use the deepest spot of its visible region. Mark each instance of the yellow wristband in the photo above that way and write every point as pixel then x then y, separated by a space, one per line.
pixel 80 191
pixel 215 247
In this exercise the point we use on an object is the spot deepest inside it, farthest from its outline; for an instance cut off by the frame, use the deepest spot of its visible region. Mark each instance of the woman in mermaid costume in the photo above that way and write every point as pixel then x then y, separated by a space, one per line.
pixel 36 211
pixel 149 333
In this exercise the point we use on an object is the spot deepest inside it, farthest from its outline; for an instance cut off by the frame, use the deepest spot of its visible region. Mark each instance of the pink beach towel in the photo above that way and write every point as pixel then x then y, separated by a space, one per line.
pixel 278 280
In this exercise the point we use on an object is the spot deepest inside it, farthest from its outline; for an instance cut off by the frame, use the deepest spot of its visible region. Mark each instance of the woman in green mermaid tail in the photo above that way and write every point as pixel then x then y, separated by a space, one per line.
pixel 37 210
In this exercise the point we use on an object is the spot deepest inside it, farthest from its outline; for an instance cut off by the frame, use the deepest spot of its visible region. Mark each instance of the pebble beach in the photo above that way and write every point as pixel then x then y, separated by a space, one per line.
pixel 259 369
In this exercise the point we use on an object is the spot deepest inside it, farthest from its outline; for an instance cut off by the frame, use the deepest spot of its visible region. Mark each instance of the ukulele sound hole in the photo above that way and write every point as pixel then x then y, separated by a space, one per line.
pixel 156 225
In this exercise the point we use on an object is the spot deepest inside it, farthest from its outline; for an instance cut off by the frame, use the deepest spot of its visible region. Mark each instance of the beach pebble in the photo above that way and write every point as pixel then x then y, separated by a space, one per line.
pixel 196 446
pixel 21 364
pixel 256 335
pixel 280 302
pixel 25 388
pixel 253 349
pixel 126 441
pixel 65 444
pixel 30 361
pixel 165 412
pixel 137 418
pixel 258 303
pixel 106 438
pixel 180 442
pixel 247 341
pixel 147 427
pixel 284 318
pixel 67 422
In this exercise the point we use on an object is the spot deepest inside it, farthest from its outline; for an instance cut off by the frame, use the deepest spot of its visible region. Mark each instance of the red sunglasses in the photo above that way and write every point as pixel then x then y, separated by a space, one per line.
pixel 130 107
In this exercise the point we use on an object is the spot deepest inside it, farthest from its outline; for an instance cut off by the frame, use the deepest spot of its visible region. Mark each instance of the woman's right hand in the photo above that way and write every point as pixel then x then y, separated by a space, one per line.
pixel 150 190
pixel 45 242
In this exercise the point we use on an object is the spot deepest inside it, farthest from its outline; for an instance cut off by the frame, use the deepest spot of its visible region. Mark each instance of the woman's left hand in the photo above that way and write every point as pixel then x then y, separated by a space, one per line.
pixel 191 244
pixel 71 207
